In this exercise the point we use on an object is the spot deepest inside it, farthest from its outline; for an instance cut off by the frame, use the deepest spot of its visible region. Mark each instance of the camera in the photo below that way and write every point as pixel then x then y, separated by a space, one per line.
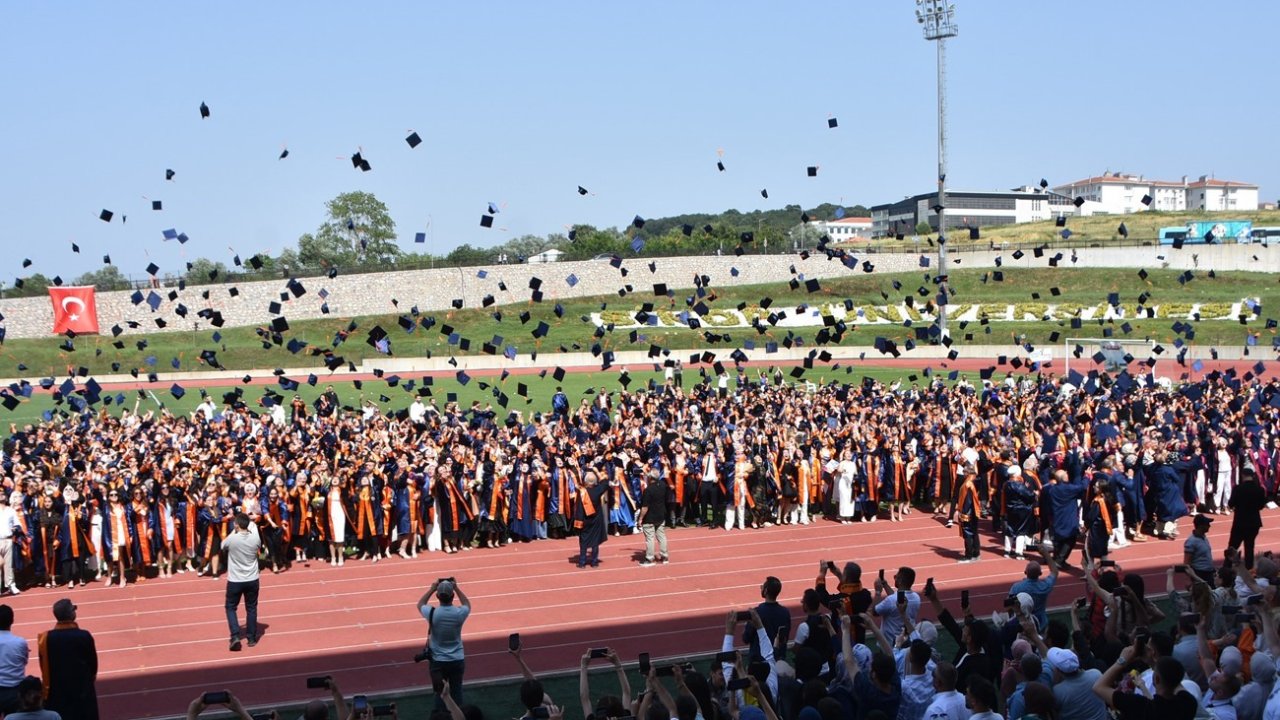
pixel 424 655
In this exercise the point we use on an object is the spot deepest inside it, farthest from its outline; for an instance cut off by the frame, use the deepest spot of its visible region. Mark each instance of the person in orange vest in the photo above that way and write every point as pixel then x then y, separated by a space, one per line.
pixel 591 518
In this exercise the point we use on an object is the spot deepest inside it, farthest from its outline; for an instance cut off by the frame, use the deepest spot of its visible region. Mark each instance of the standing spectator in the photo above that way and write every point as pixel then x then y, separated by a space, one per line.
pixel 1196 552
pixel 242 578
pixel 1074 688
pixel 1039 589
pixel 852 597
pixel 947 703
pixel 69 665
pixel 886 607
pixel 775 618
pixel 10 530
pixel 1170 701
pixel 13 661
pixel 444 637
pixel 1247 501
pixel 652 518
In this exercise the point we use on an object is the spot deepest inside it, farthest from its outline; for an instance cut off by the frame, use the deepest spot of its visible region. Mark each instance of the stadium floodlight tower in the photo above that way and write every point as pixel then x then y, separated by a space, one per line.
pixel 939 22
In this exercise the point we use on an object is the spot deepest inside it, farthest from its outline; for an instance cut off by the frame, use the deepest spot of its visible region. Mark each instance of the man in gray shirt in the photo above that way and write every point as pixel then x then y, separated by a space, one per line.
pixel 1073 688
pixel 1196 552
pixel 242 548
pixel 444 637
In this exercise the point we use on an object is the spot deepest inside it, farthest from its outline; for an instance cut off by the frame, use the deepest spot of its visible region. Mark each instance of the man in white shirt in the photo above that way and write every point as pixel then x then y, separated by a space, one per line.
pixel 886 606
pixel 947 703
pixel 242 548
pixel 417 411
pixel 9 530
pixel 13 662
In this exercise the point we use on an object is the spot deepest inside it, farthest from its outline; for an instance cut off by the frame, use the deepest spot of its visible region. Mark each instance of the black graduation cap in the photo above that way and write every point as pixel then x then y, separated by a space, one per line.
pixel 152 269
pixel 764 193
pixel 486 221
pixel 169 173
pixel 1078 201
pixel 832 122
pixel 1147 200
pixel 358 162
pixel 413 140
pixel 279 324
pixel 204 111
pixel 974 233
pixel 1044 184
pixel 720 166
pixel 558 374
pixel 157 205
pixel 75 248
pixel 1124 231
pixel 1060 221
pixel 812 171
pixel 106 215
pixel 811 285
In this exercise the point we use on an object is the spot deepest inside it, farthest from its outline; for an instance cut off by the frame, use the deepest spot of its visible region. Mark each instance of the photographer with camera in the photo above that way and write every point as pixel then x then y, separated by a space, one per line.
pixel 444 638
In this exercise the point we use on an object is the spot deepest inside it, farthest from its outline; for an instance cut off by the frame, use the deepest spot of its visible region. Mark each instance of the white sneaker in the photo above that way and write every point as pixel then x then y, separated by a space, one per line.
pixel 1271 505
pixel 14 591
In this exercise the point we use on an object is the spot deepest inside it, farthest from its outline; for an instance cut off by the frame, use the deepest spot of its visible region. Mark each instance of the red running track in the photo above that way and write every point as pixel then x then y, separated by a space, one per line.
pixel 163 642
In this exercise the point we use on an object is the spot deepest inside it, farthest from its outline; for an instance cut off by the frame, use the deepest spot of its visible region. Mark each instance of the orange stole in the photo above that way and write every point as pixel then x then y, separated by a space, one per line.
pixel 970 493
pixel 872 469
pixel 364 512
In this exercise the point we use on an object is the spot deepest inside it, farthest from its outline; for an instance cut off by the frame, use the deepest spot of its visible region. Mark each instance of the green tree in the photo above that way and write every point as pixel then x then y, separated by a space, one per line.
pixel 108 277
pixel 465 255
pixel 923 228
pixel 204 271
pixel 358 231
pixel 32 286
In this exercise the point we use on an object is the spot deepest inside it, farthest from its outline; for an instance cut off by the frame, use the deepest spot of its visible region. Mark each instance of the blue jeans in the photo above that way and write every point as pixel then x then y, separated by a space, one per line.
pixel 450 670
pixel 249 591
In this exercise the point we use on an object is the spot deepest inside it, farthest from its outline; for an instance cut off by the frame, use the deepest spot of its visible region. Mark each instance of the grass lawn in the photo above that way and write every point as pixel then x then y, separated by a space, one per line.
pixel 243 348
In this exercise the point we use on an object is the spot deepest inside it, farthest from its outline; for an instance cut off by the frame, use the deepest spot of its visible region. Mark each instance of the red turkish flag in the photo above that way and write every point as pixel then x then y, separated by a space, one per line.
pixel 74 309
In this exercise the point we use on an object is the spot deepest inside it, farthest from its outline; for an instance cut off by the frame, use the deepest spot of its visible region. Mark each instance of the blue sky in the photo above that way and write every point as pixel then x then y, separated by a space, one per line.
pixel 518 103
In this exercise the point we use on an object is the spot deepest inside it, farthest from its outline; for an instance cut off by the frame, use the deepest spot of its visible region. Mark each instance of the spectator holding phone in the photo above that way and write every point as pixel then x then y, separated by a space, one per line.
pixel 1169 702
pixel 609 706
pixel 444 637
pixel 222 698
pixel 851 597
pixel 316 709
pixel 890 601
pixel 766 648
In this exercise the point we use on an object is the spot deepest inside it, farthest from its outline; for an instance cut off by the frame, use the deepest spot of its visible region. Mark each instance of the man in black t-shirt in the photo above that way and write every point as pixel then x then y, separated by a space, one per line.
pixel 653 516
pixel 1170 701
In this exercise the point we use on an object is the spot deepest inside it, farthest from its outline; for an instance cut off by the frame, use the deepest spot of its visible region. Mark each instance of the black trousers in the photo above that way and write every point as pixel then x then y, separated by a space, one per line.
pixel 1243 536
pixel 249 591
pixel 969 531
pixel 1063 545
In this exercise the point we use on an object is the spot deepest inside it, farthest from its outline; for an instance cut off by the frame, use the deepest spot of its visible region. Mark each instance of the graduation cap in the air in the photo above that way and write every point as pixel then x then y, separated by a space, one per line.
pixel 360 163
pixel 106 215
pixel 1060 221
pixel 1078 201
pixel 1147 200
pixel 414 140
pixel 832 122
pixel 812 171
pixel 204 111
pixel 1124 231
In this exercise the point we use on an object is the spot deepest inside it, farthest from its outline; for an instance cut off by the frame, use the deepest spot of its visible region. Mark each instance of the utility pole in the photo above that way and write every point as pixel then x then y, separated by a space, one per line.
pixel 938 19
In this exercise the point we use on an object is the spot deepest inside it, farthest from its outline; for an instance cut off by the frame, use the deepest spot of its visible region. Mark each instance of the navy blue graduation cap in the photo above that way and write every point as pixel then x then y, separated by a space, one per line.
pixel 637 244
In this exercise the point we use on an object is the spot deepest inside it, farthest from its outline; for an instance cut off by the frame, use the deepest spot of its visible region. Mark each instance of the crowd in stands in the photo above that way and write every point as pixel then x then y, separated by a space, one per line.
pixel 146 494
pixel 890 652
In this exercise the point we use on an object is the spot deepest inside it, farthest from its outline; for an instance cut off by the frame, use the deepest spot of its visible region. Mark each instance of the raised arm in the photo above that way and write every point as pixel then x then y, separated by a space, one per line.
pixel 426 597
pixel 1105 687
pixel 524 667
pixel 886 645
pixel 455 712
pixel 656 686
pixel 1207 662
pixel 624 683
pixel 462 597
pixel 846 648
pixel 584 685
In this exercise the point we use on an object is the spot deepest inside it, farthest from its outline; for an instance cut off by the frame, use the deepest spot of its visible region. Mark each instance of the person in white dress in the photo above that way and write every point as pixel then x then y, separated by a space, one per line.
pixel 847 471
pixel 337 521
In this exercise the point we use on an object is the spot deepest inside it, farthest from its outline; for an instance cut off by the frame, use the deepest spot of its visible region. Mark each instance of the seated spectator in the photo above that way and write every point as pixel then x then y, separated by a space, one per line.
pixel 1026 671
pixel 1040 703
pixel 31 701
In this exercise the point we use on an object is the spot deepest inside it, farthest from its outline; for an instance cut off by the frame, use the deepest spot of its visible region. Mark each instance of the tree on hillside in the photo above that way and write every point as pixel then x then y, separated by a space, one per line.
pixel 358 231
pixel 32 286
pixel 107 278
pixel 465 255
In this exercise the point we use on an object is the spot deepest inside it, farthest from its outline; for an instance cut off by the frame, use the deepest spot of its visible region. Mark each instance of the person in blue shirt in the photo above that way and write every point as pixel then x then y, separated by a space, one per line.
pixel 1037 587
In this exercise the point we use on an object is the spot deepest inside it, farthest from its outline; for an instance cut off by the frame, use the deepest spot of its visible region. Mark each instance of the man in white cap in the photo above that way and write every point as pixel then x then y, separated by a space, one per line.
pixel 1073 688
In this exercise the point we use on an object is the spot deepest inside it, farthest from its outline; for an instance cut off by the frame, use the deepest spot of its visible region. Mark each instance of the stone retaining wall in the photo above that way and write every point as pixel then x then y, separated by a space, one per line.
pixel 434 290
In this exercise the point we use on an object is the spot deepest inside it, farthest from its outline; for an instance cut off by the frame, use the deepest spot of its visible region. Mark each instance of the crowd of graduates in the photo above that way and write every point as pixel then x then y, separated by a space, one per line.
pixel 149 493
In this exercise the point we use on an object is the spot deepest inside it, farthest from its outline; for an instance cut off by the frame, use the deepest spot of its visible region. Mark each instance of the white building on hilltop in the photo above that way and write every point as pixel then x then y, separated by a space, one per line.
pixel 848 228
pixel 1120 193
